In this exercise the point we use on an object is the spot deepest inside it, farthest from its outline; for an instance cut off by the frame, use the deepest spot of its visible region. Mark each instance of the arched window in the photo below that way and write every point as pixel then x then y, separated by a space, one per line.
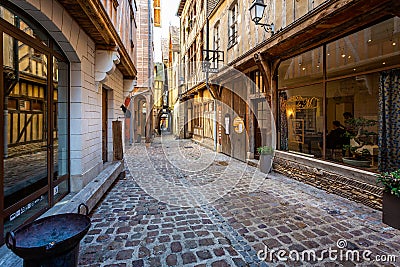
pixel 34 141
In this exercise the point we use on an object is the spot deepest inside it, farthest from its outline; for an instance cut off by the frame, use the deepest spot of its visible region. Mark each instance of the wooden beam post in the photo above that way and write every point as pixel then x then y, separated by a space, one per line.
pixel 117 140
pixel 268 70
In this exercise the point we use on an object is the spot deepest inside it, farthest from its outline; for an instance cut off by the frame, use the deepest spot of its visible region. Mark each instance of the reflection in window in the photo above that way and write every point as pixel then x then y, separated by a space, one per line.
pixel 23 24
pixel 353 102
pixel 257 85
pixel 25 153
pixel 304 117
pixel 302 69
pixel 372 48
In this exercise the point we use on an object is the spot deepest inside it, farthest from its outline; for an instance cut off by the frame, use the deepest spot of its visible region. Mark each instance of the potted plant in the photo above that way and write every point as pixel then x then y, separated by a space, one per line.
pixel 391 198
pixel 266 155
pixel 362 142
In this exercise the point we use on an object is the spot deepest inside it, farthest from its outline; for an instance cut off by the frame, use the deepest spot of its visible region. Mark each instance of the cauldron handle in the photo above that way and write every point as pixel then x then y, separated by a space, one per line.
pixel 86 208
pixel 10 235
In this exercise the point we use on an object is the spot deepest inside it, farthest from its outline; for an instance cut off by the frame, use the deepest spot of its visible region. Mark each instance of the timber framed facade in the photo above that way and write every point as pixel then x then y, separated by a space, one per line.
pixel 328 61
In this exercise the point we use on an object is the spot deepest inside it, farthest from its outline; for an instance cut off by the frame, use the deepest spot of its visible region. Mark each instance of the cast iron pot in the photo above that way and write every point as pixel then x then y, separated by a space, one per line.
pixel 49 237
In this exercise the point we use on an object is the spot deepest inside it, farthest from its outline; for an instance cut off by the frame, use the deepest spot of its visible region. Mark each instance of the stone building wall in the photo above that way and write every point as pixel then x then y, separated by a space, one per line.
pixel 86 94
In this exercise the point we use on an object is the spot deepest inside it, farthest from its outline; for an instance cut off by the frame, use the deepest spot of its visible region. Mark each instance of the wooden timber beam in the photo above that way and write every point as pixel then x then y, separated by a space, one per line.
pixel 268 69
pixel 93 18
pixel 331 20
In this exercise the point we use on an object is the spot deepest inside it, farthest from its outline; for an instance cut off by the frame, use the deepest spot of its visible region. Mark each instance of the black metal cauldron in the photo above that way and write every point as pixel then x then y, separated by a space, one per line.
pixel 50 241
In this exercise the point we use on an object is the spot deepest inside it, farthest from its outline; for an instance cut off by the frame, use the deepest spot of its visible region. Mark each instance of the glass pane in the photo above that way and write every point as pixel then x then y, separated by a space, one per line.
pixel 60 190
pixel 24 24
pixel 300 70
pixel 353 104
pixel 60 118
pixel 26 212
pixel 304 112
pixel 25 142
pixel 369 49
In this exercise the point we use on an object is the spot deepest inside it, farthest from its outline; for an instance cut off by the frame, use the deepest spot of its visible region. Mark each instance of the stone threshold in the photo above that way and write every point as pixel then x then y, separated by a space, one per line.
pixel 89 195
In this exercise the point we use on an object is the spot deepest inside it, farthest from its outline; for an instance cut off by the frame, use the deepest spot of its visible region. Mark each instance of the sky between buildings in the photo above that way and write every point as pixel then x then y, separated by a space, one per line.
pixel 168 17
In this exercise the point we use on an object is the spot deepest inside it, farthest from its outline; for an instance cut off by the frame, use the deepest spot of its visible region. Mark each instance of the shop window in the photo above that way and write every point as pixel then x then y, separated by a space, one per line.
pixel 361 76
pixel 257 85
pixel 26 187
pixel 353 104
pixel 23 24
pixel 302 69
pixel 372 48
pixel 303 115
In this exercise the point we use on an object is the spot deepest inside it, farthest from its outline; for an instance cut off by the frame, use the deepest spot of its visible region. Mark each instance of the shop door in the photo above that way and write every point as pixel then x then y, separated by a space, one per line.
pixel 238 128
pixel 226 131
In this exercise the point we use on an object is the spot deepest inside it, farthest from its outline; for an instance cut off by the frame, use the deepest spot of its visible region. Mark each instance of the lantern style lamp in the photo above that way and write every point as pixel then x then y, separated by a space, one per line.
pixel 257 12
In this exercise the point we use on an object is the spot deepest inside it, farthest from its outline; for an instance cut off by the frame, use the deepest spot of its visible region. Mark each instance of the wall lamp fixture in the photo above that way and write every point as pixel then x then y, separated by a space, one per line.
pixel 257 12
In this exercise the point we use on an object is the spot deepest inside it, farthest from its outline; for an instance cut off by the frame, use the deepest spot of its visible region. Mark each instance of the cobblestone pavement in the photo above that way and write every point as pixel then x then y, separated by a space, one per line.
pixel 182 205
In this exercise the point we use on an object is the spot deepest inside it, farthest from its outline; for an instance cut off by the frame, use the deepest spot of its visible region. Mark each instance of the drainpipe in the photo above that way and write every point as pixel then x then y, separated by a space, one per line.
pixel 149 106
pixel 208 86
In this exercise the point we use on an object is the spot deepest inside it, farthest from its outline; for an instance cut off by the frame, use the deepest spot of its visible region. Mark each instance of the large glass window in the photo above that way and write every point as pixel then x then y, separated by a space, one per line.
pixel 305 121
pixel 34 134
pixel 302 69
pixel 352 104
pixel 357 85
pixel 374 48
pixel 25 145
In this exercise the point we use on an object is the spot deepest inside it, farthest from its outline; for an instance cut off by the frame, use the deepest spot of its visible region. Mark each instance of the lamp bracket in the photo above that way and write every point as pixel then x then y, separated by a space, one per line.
pixel 267 27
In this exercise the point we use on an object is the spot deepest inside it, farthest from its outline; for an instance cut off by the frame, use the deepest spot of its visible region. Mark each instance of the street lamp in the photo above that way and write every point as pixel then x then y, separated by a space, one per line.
pixel 257 12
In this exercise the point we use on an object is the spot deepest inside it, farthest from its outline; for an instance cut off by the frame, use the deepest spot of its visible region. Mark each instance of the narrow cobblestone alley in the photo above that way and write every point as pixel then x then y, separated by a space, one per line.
pixel 183 205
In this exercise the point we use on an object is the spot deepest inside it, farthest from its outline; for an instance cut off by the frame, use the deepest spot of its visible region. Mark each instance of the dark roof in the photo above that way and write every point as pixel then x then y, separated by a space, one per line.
pixel 180 9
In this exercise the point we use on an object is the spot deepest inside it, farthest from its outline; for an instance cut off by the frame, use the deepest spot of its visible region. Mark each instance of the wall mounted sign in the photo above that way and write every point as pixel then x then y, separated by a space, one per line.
pixel 227 119
pixel 238 125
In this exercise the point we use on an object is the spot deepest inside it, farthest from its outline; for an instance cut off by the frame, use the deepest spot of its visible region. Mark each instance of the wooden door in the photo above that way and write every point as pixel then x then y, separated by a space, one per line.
pixel 104 125
pixel 257 137
pixel 239 137
pixel 226 122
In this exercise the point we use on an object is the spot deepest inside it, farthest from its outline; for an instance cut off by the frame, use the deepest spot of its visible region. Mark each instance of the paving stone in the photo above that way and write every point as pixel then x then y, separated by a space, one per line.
pixel 154 262
pixel 176 247
pixel 204 254
pixel 206 242
pixel 272 243
pixel 219 252
pixel 171 260
pixel 138 263
pixel 124 254
pixel 144 252
pixel 190 244
pixel 220 263
pixel 133 226
pixel 188 257
pixel 189 235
